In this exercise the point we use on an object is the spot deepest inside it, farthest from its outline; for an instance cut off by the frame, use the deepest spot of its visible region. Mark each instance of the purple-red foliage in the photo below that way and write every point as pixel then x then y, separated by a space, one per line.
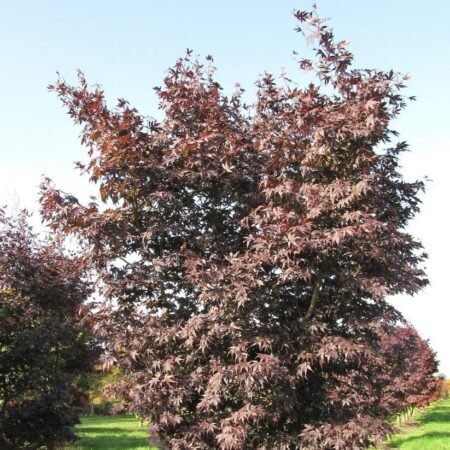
pixel 409 365
pixel 42 347
pixel 244 253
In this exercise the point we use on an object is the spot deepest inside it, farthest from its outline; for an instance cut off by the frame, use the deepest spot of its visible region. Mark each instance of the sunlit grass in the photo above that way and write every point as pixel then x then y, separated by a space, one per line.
pixel 113 432
pixel 433 433
pixel 125 433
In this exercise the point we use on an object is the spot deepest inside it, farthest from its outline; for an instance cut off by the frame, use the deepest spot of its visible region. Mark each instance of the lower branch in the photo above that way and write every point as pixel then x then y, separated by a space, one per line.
pixel 314 299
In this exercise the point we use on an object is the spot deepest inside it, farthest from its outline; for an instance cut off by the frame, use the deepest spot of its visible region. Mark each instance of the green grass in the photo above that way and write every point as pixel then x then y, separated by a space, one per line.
pixel 433 432
pixel 116 432
pixel 125 433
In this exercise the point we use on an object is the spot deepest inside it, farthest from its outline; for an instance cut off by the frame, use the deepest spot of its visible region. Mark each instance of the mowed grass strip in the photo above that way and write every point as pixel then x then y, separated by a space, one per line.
pixel 125 433
pixel 433 433
pixel 111 432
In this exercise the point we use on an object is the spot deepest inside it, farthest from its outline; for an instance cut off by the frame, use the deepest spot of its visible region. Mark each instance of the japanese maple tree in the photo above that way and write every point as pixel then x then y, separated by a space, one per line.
pixel 244 254
pixel 42 345
pixel 409 379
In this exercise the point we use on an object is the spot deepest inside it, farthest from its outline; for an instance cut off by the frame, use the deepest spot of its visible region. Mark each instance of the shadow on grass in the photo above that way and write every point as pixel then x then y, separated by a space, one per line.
pixel 101 430
pixel 437 415
pixel 110 441
pixel 424 436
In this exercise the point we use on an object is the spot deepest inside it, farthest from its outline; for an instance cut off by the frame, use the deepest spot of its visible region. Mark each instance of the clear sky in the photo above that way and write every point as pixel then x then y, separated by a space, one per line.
pixel 126 46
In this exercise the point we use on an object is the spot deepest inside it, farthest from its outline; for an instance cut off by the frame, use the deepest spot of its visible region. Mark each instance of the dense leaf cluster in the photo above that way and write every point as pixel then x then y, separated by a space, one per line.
pixel 41 346
pixel 245 253
pixel 410 365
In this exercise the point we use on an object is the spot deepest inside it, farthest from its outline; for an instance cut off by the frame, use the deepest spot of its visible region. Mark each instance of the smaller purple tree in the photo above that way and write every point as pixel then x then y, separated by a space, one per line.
pixel 409 380
pixel 42 345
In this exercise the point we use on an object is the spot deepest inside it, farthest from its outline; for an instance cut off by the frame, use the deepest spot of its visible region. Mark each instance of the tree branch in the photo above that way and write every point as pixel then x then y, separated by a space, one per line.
pixel 314 298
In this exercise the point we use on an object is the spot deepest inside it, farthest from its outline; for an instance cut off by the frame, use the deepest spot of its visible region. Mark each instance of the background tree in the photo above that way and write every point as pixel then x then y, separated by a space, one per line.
pixel 444 386
pixel 245 254
pixel 93 389
pixel 42 347
pixel 409 379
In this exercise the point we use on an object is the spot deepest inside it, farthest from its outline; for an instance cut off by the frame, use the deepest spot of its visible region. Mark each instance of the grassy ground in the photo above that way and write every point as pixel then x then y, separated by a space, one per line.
pixel 433 432
pixel 105 433
pixel 125 433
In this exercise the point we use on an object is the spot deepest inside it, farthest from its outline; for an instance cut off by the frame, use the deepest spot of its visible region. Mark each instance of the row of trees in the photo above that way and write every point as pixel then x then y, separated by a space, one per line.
pixel 244 255
pixel 46 355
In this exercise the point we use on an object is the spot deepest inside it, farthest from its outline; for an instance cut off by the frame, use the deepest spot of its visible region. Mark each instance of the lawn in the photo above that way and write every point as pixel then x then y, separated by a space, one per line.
pixel 125 433
pixel 116 432
pixel 433 433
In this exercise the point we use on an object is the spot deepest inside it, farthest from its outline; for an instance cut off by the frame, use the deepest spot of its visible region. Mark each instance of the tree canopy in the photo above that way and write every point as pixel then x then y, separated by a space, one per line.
pixel 245 254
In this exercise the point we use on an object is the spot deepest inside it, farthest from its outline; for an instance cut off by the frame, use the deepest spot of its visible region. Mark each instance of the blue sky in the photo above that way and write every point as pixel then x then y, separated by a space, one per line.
pixel 127 47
